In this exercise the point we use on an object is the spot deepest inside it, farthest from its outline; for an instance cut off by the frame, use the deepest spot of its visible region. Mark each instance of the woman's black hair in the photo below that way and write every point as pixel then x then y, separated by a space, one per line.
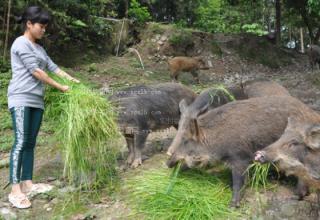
pixel 34 14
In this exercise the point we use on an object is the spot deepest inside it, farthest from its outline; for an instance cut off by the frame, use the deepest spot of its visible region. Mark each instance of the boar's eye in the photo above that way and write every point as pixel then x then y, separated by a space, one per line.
pixel 294 143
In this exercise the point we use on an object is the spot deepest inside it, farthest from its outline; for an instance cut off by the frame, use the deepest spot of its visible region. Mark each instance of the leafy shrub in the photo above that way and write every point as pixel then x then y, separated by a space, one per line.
pixel 139 13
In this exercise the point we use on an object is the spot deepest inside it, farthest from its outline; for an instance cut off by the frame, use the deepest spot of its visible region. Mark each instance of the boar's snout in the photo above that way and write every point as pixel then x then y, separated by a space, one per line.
pixel 171 163
pixel 260 156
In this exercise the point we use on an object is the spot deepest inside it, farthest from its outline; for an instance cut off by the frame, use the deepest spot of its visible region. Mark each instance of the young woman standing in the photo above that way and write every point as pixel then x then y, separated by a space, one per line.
pixel 26 102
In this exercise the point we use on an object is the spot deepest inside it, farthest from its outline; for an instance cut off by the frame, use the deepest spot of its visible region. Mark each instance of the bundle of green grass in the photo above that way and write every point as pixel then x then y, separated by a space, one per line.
pixel 85 126
pixel 182 195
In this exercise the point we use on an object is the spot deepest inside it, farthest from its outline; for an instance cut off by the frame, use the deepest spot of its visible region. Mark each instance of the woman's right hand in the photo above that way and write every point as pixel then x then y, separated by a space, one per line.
pixel 64 88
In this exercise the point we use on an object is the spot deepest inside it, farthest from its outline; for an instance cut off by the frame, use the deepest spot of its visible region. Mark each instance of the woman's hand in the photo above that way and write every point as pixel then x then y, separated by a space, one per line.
pixel 64 88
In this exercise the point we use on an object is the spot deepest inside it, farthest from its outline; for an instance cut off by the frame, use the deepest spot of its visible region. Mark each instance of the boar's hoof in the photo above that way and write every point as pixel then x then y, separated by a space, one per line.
pixel 302 191
pixel 234 204
pixel 130 158
pixel 137 162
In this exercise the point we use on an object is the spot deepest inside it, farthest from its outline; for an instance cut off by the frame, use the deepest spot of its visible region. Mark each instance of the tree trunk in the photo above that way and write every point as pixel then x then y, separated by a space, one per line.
pixel 3 24
pixel 4 18
pixel 278 22
pixel 7 31
pixel 126 8
pixel 301 40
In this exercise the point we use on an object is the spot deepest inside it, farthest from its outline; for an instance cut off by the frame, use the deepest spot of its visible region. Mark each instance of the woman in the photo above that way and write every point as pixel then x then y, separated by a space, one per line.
pixel 25 101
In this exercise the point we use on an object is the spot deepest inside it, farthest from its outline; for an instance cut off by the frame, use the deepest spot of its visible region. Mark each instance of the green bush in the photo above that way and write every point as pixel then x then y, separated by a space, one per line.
pixel 254 29
pixel 139 13
pixel 181 39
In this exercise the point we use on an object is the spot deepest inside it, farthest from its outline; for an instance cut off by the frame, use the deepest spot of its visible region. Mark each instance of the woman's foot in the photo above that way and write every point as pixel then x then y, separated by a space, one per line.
pixel 17 198
pixel 19 201
pixel 31 189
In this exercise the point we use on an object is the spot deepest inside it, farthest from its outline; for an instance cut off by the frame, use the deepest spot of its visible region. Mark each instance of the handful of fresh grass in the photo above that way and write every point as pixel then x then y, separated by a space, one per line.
pixel 195 195
pixel 258 175
pixel 85 126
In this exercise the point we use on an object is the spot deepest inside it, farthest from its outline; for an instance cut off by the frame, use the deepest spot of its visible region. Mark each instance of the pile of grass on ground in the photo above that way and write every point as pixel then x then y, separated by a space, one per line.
pixel 85 126
pixel 193 195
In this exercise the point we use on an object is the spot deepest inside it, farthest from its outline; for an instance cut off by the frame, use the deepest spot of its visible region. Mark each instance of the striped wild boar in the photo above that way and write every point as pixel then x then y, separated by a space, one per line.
pixel 185 64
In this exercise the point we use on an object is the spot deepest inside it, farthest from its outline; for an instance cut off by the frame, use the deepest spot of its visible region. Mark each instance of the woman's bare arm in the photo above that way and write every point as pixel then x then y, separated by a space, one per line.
pixel 63 74
pixel 44 77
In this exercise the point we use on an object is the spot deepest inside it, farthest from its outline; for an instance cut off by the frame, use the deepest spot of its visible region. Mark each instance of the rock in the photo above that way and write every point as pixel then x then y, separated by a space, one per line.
pixel 67 189
pixel 51 178
pixel 78 217
pixel 57 183
pixel 4 162
pixel 164 38
pixel 46 206
pixel 49 209
pixel 4 204
pixel 7 214
pixel 157 37
pixel 160 42
pixel 54 201
pixel 288 209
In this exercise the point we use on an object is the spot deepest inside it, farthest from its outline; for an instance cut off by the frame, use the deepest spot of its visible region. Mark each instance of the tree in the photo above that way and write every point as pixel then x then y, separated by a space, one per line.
pixel 7 31
pixel 278 21
pixel 308 11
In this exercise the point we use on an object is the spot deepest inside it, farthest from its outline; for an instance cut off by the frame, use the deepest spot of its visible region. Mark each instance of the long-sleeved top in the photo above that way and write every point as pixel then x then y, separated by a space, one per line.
pixel 24 89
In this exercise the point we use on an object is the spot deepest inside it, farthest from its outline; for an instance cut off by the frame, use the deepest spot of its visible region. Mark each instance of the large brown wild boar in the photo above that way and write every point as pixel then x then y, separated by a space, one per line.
pixel 232 134
pixel 297 152
pixel 185 64
pixel 212 98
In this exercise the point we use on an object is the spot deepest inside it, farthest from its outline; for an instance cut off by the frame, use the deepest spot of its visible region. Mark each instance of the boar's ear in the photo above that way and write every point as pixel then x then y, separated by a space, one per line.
pixel 312 137
pixel 183 105
pixel 203 110
pixel 198 134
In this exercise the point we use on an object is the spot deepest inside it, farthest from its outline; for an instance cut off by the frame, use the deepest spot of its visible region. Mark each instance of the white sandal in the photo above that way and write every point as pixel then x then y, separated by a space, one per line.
pixel 19 201
pixel 38 188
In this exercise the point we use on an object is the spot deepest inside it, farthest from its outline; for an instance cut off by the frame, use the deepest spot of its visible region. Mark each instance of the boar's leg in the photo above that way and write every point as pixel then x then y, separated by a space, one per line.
pixel 130 139
pixel 139 142
pixel 302 189
pixel 237 184
pixel 195 76
pixel 174 76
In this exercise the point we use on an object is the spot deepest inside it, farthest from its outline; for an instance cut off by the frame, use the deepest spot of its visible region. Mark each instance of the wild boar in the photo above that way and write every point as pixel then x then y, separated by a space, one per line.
pixel 185 64
pixel 314 55
pixel 144 109
pixel 232 133
pixel 297 151
pixel 215 97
